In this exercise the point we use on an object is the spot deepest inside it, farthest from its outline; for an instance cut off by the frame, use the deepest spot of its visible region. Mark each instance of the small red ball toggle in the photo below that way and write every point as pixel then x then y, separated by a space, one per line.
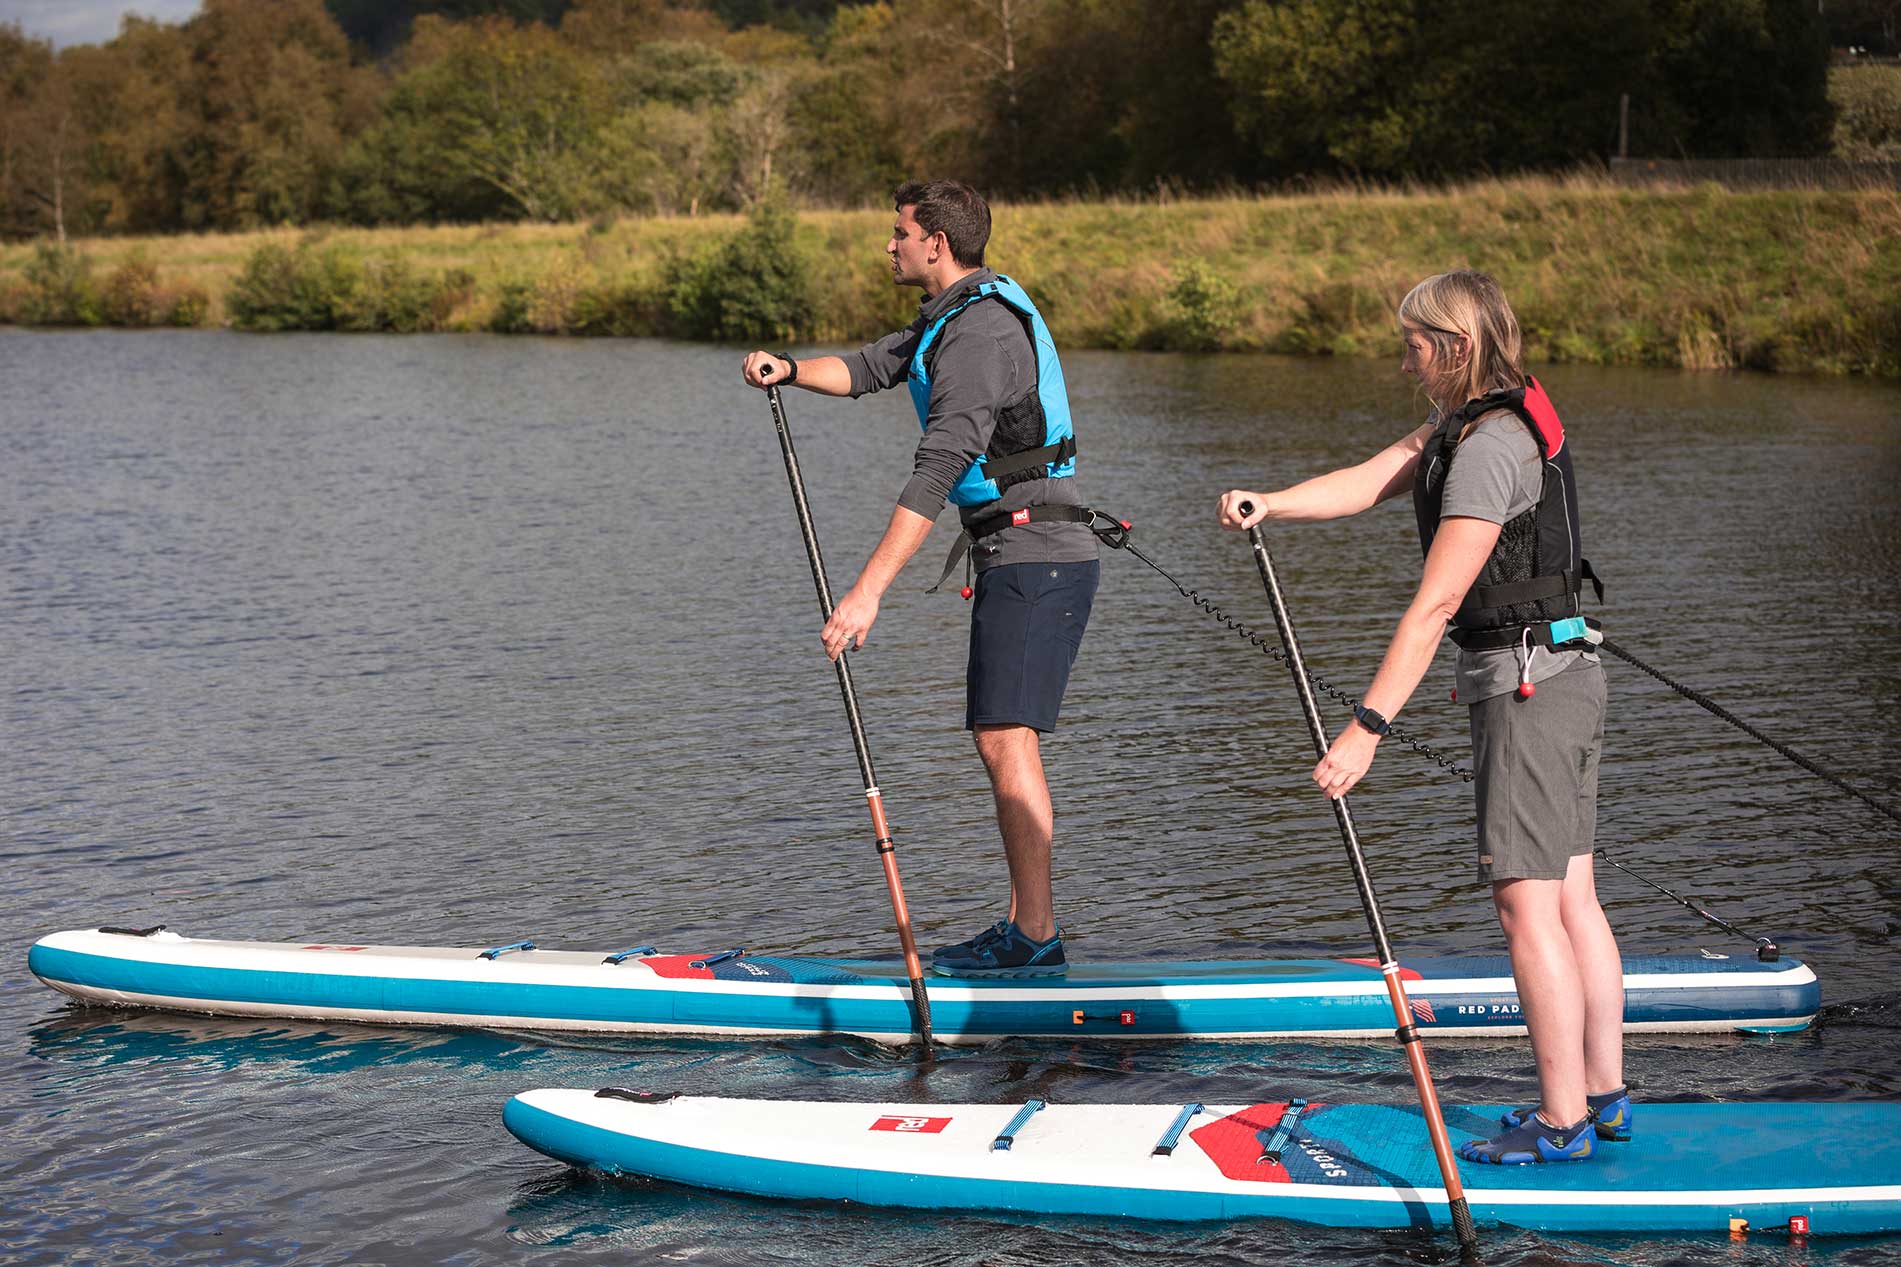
pixel 966 591
pixel 1526 690
pixel 1127 525
pixel 1455 695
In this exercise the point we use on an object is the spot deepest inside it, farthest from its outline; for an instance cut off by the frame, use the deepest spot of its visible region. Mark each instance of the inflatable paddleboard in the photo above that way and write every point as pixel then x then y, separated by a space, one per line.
pixel 730 992
pixel 1688 1167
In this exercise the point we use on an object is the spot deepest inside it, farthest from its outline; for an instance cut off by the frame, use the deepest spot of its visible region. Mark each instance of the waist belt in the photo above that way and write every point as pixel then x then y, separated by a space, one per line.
pixel 1113 531
pixel 1579 633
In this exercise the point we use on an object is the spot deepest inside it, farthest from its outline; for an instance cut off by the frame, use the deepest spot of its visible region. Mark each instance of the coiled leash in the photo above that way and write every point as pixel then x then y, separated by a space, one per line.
pixel 1115 533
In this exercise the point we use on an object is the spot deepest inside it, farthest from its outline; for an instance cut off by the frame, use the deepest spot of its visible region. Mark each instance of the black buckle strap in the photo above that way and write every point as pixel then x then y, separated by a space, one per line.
pixel 1112 532
pixel 1514 635
pixel 1053 455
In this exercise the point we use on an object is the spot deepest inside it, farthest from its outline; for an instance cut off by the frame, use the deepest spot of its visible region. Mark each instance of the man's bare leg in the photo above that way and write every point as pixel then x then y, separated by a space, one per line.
pixel 1013 756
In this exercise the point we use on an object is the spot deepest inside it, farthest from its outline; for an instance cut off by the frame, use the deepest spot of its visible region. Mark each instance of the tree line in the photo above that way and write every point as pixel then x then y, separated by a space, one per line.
pixel 268 112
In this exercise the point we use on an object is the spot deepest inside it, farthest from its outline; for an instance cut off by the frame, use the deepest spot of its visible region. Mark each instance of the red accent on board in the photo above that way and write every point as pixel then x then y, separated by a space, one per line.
pixel 325 946
pixel 1127 1017
pixel 1233 1143
pixel 912 1125
pixel 680 967
pixel 1798 1225
pixel 1405 973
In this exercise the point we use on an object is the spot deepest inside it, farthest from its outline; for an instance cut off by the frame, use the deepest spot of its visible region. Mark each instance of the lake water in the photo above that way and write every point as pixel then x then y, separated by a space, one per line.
pixel 465 640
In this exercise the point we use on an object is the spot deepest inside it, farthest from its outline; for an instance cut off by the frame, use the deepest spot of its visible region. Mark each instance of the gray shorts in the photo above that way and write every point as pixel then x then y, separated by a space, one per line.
pixel 1535 762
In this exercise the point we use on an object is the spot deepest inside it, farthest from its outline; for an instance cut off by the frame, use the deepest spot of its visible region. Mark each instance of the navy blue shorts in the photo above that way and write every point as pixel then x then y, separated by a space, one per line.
pixel 1025 630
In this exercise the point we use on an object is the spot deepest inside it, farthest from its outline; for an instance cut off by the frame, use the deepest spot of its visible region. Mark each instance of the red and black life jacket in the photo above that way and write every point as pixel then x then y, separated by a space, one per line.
pixel 1536 571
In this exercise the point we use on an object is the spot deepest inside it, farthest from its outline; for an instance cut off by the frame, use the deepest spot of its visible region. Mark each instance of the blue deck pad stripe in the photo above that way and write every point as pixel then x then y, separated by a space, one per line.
pixel 960 1008
pixel 592 1147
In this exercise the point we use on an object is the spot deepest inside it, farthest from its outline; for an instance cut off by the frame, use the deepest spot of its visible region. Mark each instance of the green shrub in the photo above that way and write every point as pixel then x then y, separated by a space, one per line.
pixel 1202 309
pixel 131 295
pixel 756 285
pixel 316 287
pixel 190 306
pixel 1334 319
pixel 285 289
pixel 59 289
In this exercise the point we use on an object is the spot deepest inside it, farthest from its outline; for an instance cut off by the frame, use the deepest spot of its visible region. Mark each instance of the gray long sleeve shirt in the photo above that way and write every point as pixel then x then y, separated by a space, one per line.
pixel 984 364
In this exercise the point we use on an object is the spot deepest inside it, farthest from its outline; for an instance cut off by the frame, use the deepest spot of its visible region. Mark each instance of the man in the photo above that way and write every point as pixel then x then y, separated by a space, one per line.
pixel 989 393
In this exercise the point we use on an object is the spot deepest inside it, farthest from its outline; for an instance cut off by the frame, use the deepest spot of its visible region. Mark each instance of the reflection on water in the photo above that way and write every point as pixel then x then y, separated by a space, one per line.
pixel 464 640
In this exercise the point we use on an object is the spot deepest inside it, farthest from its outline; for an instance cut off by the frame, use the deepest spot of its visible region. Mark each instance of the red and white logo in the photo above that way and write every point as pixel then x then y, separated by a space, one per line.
pixel 911 1125
pixel 1020 517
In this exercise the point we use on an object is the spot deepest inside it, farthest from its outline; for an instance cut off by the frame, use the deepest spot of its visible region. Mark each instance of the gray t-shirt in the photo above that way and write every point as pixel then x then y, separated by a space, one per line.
pixel 984 364
pixel 1498 474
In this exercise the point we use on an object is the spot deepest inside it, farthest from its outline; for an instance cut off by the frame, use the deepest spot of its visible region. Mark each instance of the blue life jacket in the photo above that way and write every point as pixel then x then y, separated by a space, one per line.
pixel 1033 439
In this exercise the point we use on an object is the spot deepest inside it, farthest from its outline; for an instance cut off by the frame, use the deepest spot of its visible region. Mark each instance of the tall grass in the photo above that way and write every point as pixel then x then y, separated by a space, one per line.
pixel 1693 277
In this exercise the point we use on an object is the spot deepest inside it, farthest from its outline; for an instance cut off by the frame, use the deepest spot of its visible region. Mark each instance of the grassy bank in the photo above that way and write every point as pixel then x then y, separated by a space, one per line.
pixel 1699 278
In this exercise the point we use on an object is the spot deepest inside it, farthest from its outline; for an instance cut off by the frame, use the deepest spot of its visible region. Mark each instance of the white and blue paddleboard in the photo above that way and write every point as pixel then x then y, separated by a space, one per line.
pixel 730 992
pixel 1688 1168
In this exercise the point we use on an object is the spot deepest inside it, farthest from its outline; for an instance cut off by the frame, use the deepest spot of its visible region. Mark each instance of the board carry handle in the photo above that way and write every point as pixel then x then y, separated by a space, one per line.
pixel 636 1097
pixel 1272 1142
pixel 1165 1146
pixel 882 839
pixel 1001 1144
pixel 133 932
pixel 496 952
pixel 638 952
pixel 1406 1031
pixel 735 953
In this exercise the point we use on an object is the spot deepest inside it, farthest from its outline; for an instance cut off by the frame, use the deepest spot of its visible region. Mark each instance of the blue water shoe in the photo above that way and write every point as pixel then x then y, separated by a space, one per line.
pixel 1002 950
pixel 1534 1139
pixel 1610 1110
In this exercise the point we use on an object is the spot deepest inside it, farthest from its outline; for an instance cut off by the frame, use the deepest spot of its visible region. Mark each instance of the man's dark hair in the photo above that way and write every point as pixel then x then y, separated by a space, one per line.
pixel 954 209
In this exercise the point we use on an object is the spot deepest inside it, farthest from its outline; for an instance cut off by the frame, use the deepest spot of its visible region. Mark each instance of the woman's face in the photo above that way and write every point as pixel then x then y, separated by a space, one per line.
pixel 1417 362
pixel 1424 363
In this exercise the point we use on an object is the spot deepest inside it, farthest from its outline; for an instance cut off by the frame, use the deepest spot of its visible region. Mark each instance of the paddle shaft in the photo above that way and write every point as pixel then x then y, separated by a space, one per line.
pixel 874 799
pixel 1408 1032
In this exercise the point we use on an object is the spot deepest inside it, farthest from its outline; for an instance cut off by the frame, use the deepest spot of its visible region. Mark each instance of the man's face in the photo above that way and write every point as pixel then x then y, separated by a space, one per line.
pixel 911 249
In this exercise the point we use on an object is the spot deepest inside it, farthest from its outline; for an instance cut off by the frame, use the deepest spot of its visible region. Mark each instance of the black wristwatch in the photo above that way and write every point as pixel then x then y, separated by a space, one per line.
pixel 1372 720
pixel 792 368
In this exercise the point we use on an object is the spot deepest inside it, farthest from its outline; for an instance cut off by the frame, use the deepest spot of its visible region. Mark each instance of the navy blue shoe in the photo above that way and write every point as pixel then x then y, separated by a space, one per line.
pixel 1533 1140
pixel 1610 1112
pixel 1002 951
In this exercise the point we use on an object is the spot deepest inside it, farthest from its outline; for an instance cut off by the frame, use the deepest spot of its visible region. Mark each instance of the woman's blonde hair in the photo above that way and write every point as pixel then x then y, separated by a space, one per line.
pixel 1469 303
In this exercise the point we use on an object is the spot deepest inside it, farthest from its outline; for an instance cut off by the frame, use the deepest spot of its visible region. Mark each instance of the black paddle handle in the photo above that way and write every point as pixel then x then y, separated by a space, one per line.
pixel 817 558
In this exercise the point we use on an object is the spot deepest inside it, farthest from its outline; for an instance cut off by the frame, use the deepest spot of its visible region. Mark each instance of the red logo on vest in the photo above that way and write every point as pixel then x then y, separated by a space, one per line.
pixel 1018 517
pixel 911 1125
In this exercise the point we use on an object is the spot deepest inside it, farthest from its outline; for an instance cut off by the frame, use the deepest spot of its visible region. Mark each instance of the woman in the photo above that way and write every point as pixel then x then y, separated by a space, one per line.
pixel 1492 487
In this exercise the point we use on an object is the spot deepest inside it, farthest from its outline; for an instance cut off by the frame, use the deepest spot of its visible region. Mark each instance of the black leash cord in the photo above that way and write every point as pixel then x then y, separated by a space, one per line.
pixel 1710 705
pixel 1121 542
pixel 1273 652
pixel 1766 950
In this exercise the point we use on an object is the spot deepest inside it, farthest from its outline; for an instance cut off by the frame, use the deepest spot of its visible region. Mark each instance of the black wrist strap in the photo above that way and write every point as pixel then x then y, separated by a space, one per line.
pixel 1372 720
pixel 792 369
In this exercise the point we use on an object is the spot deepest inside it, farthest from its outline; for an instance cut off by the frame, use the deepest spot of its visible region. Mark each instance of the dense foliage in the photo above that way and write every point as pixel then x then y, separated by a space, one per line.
pixel 259 113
